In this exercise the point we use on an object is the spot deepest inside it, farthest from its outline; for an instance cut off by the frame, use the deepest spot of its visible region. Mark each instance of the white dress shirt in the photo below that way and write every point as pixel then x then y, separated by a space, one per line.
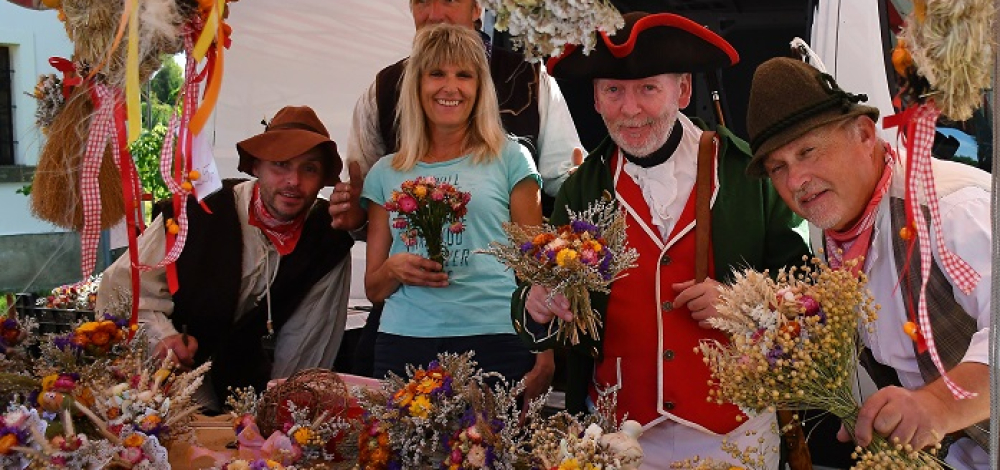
pixel 310 337
pixel 964 201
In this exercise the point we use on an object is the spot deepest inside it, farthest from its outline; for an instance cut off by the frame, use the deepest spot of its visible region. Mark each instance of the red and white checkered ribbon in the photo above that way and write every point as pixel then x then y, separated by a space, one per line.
pixel 921 183
pixel 178 133
pixel 102 126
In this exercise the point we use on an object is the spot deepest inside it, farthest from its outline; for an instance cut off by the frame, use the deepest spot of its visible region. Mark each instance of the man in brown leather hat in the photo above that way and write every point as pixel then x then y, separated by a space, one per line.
pixel 656 316
pixel 264 261
pixel 820 149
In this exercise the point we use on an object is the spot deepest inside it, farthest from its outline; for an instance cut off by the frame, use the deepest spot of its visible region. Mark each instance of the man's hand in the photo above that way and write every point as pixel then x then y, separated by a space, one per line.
pixel 539 378
pixel 542 309
pixel 700 299
pixel 183 352
pixel 345 201
pixel 415 270
pixel 914 417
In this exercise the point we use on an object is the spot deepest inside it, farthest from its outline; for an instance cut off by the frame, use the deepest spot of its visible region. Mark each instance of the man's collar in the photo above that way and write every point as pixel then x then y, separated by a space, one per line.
pixel 663 153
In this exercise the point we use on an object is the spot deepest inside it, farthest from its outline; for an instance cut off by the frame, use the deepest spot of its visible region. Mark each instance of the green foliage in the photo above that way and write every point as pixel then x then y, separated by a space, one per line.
pixel 146 153
pixel 157 106
pixel 155 112
pixel 25 190
pixel 166 84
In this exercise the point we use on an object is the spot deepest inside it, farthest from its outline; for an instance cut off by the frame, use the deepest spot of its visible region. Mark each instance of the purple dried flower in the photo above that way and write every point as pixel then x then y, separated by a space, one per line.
pixel 774 354
pixel 580 226
pixel 65 343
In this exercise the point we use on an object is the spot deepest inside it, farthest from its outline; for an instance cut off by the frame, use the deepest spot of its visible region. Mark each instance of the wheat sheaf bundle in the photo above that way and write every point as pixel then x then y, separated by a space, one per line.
pixel 92 26
pixel 951 42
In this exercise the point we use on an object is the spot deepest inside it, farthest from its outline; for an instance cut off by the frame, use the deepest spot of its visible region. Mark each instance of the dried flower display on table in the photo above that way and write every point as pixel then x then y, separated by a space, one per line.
pixel 451 415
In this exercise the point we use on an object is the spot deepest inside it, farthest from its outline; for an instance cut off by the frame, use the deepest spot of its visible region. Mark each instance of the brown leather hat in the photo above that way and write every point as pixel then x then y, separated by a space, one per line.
pixel 788 98
pixel 293 131
pixel 648 45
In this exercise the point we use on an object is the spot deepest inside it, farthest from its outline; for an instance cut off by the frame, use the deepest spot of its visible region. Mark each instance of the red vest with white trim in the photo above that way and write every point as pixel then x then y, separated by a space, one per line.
pixel 647 341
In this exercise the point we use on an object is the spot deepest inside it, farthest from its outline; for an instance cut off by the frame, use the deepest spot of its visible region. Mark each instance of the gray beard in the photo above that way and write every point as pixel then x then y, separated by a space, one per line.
pixel 644 151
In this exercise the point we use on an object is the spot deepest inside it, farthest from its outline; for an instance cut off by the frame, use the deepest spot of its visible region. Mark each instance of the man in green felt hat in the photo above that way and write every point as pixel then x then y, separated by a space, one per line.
pixel 656 316
pixel 820 150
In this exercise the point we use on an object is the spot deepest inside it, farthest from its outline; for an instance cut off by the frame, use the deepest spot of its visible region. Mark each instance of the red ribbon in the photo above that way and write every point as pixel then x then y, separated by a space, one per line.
pixel 70 78
pixel 134 224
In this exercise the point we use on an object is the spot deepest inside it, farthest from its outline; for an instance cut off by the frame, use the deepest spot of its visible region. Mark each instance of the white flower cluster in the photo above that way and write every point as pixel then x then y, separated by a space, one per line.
pixel 543 28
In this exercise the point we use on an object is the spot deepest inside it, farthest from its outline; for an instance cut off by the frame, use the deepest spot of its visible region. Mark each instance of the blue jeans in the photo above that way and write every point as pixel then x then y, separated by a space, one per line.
pixel 502 353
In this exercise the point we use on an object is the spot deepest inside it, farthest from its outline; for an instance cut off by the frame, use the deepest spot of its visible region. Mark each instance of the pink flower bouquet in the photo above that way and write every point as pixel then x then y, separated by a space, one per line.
pixel 425 207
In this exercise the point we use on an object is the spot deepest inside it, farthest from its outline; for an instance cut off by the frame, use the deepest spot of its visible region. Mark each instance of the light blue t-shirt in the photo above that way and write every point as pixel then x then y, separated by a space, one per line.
pixel 477 299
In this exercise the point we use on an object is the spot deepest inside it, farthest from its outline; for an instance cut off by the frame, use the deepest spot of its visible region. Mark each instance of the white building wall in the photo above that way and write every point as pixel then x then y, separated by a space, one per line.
pixel 33 37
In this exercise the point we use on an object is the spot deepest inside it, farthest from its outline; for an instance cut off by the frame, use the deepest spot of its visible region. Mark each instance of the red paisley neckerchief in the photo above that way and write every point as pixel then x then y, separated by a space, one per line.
pixel 854 242
pixel 284 235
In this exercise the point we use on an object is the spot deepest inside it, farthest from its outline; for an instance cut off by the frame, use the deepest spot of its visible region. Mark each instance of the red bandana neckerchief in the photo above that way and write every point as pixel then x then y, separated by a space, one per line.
pixel 854 242
pixel 284 235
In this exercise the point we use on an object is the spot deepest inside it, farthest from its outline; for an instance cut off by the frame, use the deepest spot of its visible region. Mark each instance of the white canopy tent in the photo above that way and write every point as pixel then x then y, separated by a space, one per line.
pixel 309 52
pixel 319 53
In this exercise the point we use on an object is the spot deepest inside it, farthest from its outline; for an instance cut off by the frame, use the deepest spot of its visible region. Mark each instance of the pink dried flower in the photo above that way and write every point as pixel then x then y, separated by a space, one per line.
pixel 407 204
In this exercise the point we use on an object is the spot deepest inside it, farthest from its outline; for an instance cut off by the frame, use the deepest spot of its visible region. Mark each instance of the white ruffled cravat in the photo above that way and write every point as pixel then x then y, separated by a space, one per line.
pixel 667 186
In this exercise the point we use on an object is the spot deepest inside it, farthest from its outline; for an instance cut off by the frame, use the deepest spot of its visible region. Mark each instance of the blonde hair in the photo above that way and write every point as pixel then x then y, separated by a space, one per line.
pixel 437 45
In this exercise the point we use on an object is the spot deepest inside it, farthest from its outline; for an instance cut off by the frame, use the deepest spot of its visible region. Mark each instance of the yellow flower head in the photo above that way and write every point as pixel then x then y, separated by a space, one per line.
pixel 303 436
pixel 420 191
pixel 421 406
pixel 87 328
pixel 566 256
pixel 428 385
pixel 47 382
pixel 570 464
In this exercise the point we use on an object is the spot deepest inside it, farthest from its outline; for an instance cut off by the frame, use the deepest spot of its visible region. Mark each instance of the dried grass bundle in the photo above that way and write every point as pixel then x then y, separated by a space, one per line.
pixel 55 195
pixel 952 45
pixel 92 24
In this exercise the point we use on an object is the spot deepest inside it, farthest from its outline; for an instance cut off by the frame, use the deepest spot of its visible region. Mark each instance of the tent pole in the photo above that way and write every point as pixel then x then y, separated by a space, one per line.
pixel 995 287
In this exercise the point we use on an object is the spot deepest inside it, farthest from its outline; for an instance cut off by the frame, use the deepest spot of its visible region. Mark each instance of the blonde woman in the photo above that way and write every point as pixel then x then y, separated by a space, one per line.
pixel 450 129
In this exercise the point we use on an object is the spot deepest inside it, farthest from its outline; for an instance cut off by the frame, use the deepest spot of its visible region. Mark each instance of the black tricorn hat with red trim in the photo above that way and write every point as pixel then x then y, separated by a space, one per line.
pixel 648 45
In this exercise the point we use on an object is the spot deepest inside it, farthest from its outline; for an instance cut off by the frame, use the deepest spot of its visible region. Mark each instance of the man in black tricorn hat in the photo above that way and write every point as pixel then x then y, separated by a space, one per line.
pixel 656 316
pixel 820 149
pixel 265 260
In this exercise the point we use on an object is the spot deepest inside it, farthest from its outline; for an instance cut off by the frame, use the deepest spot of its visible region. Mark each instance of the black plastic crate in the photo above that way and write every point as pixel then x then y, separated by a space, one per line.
pixel 50 320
